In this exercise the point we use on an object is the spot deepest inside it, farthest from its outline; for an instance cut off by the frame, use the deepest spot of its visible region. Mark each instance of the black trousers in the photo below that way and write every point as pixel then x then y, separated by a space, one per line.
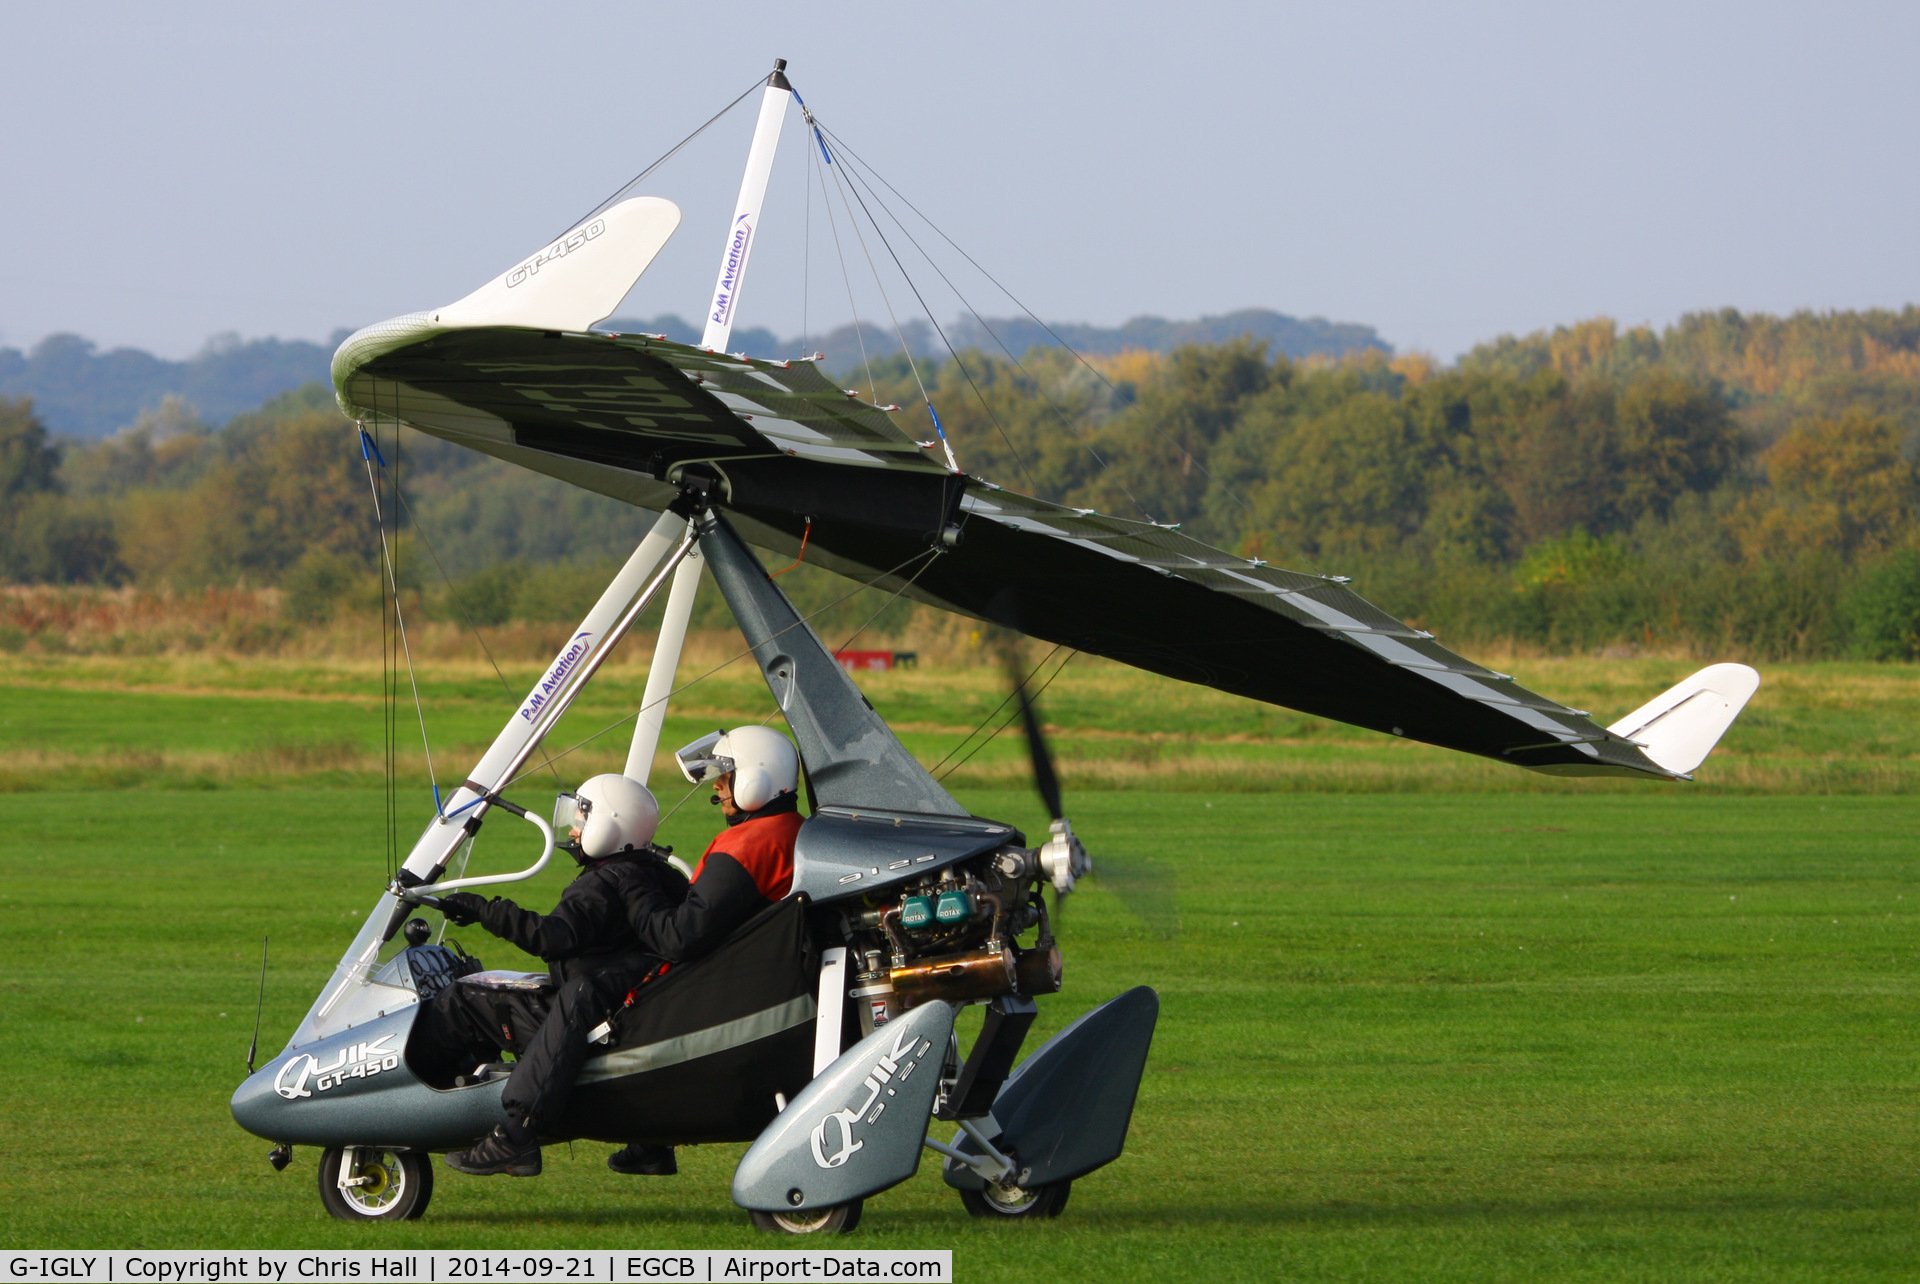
pixel 546 1032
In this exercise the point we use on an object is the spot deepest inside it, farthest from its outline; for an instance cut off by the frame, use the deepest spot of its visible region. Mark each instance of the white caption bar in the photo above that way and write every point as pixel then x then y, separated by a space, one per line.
pixel 603 1266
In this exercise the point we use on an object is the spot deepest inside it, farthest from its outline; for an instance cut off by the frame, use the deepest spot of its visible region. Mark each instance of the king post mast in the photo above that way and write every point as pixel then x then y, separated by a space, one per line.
pixel 746 212
pixel 720 315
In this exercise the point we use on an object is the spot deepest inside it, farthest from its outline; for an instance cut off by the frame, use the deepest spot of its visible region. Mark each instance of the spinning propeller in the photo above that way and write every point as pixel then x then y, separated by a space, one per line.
pixel 1142 886
pixel 1062 857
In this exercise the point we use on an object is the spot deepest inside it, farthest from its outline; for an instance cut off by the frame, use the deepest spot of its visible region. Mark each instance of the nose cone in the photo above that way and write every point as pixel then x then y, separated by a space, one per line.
pixel 354 1088
pixel 256 1106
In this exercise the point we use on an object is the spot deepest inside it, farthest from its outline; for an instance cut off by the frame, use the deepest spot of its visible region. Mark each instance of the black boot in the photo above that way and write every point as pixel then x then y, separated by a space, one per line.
pixel 641 1160
pixel 501 1151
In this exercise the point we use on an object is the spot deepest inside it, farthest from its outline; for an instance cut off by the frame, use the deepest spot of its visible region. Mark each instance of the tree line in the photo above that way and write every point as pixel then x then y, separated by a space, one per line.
pixel 1732 484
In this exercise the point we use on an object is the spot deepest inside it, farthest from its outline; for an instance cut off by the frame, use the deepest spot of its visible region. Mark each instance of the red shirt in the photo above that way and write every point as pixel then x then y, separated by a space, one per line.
pixel 764 848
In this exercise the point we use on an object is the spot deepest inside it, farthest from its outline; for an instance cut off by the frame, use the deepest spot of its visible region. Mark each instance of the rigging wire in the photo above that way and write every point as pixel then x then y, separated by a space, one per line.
pixel 1038 385
pixel 886 301
pixel 400 619
pixel 454 598
pixel 880 232
pixel 859 332
pixel 684 800
pixel 1041 690
pixel 389 617
pixel 387 706
pixel 995 711
pixel 399 636
pixel 390 668
pixel 891 598
pixel 668 155
pixel 868 622
pixel 399 616
pixel 1186 454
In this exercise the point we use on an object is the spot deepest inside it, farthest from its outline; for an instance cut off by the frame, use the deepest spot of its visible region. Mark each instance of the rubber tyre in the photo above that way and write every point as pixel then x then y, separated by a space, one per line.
pixel 1004 1202
pixel 402 1192
pixel 839 1219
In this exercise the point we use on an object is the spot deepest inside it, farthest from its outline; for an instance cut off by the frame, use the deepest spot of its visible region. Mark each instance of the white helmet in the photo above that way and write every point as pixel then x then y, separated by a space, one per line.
pixel 614 813
pixel 762 761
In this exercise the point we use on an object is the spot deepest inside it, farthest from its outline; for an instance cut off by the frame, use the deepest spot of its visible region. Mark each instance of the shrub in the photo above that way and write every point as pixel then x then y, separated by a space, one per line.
pixel 46 538
pixel 1883 609
pixel 493 596
pixel 320 583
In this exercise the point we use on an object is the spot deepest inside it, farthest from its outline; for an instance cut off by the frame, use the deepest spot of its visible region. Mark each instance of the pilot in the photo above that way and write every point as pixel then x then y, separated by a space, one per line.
pixel 747 867
pixel 591 952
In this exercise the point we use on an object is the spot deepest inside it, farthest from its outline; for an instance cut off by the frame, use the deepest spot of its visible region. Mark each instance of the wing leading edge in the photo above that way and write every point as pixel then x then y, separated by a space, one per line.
pixel 623 414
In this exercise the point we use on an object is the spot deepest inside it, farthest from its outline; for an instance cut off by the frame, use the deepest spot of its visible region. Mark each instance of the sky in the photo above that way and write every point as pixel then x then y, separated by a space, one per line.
pixel 1445 173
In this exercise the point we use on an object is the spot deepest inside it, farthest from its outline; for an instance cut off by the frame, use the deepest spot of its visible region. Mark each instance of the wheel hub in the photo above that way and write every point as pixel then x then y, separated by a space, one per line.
pixel 1009 1198
pixel 380 1184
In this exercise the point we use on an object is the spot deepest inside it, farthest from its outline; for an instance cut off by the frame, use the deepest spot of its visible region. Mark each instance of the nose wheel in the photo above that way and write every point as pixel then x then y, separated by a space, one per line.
pixel 839 1219
pixel 367 1184
pixel 1009 1200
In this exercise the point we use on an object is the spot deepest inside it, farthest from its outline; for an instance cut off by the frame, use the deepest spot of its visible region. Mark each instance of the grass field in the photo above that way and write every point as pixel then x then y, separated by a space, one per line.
pixel 1412 1028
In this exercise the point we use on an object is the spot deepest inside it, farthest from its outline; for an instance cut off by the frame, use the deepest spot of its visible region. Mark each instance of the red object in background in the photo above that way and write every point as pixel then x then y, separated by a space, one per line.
pixel 855 661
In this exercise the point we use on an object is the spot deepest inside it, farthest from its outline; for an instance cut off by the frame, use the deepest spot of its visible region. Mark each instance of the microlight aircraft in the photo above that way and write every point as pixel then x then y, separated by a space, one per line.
pixel 823 1031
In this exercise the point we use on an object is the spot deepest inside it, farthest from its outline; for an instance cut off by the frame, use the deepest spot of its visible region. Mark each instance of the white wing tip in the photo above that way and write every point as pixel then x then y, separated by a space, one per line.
pixel 1679 727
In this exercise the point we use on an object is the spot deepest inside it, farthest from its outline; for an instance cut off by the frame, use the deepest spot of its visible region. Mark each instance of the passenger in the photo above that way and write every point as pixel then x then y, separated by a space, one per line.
pixel 592 954
pixel 747 867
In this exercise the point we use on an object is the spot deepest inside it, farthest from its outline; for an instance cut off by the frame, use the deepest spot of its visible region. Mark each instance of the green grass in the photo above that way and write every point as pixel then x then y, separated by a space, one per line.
pixel 1436 1037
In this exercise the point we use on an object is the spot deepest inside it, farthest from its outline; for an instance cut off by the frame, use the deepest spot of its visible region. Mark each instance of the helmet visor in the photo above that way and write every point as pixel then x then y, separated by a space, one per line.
pixel 699 762
pixel 570 812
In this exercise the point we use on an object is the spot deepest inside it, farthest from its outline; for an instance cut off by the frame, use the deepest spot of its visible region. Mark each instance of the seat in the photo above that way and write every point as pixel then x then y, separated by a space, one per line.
pixel 704 1050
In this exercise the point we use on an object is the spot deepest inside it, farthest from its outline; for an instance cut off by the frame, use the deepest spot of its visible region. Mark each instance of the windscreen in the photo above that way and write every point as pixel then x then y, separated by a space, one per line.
pixel 351 994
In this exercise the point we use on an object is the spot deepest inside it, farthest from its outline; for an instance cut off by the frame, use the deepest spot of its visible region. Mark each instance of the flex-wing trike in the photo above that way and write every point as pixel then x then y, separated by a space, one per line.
pixel 822 1030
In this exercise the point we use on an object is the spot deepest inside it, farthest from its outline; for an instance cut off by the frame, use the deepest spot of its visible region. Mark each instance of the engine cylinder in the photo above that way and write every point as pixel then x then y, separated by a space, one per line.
pixel 977 974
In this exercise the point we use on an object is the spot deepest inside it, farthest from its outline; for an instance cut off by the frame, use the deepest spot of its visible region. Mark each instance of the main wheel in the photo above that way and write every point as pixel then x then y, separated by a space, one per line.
pixel 837 1219
pixel 1018 1201
pixel 396 1185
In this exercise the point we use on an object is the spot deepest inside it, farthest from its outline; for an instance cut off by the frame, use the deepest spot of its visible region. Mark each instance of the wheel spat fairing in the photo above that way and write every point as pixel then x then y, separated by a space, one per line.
pixel 1064 1112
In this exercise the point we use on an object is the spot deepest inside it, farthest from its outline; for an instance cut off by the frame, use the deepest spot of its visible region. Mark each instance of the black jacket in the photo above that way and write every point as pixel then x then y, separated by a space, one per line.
pixel 589 931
